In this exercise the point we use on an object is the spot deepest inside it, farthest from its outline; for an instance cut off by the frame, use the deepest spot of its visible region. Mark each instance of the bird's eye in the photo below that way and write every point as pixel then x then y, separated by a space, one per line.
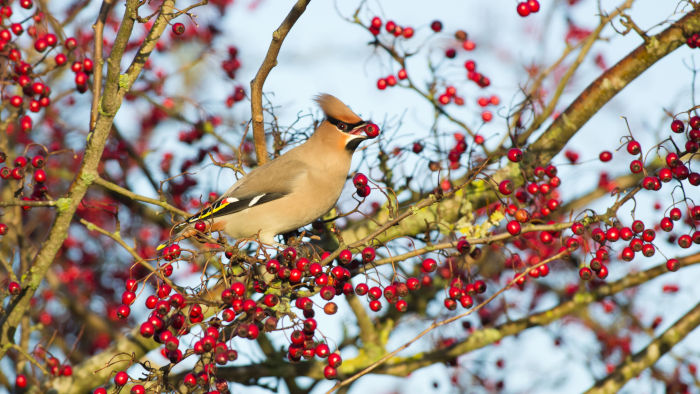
pixel 342 126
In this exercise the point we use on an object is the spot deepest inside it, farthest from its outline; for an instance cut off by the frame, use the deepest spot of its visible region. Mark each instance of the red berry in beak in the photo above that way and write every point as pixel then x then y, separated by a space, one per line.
pixel 371 130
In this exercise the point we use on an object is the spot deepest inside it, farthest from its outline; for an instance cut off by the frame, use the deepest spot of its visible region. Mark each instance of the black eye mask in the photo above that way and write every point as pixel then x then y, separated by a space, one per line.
pixel 342 126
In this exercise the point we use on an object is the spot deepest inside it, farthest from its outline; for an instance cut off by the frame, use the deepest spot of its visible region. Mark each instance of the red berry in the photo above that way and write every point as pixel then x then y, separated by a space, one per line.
pixel 368 254
pixel 436 26
pixel 322 350
pixel 61 59
pixel 40 176
pixel 390 26
pixel 371 130
pixel 666 224
pixel 533 5
pixel 123 311
pixel 633 147
pixel 694 122
pixel 506 187
pixel 605 156
pixel 375 293
pixel 612 234
pixel 429 265
pixel 684 241
pixel 334 360
pixel 515 155
pixel 636 166
pixel 25 123
pixel 523 9
pixel 673 265
pixel 513 227
pixel 76 67
pixel 41 44
pixel 450 304
pixel 81 78
pixel 345 256
pixel 602 272
pixel 128 297
pixel 70 43
pixel 14 288
pixel 21 381
pixel 627 254
pixel 361 289
pixel 147 329
pixel 38 161
pixel 272 266
pixel 330 372
pixel 677 126
pixel 51 39
pixel 16 101
pixel 585 273
pixel 675 214
pixel 412 284
pixel 178 29
pixel 648 235
pixel 238 288
pixel 360 180
pixel 121 378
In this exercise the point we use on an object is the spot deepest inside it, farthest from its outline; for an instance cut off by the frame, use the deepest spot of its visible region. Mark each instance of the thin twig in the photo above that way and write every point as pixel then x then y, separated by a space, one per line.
pixel 118 239
pixel 442 323
pixel 98 27
pixel 128 193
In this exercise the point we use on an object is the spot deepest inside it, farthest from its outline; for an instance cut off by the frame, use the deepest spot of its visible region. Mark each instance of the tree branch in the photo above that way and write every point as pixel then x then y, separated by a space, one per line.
pixel 605 87
pixel 88 171
pixel 488 335
pixel 649 355
pixel 256 84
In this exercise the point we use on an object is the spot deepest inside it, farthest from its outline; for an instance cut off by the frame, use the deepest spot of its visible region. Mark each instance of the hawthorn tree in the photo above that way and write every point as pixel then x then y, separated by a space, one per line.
pixel 477 234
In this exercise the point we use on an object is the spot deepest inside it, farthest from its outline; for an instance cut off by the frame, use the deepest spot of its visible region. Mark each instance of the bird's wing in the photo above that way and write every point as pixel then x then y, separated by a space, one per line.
pixel 266 183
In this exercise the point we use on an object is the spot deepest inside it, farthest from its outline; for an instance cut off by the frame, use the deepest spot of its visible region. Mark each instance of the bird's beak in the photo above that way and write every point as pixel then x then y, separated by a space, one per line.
pixel 359 130
pixel 355 137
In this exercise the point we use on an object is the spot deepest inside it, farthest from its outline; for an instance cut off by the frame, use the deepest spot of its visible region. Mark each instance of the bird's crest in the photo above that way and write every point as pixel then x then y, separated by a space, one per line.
pixel 335 109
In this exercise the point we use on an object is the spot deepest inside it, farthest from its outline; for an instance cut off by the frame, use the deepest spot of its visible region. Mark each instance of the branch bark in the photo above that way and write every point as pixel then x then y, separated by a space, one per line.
pixel 257 83
pixel 88 171
pixel 116 86
pixel 605 87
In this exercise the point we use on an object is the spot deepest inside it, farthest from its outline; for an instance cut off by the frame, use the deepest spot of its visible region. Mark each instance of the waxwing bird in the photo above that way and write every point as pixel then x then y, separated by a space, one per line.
pixel 292 190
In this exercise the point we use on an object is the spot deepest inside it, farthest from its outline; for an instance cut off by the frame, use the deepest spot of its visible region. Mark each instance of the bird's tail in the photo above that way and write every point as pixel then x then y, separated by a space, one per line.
pixel 178 235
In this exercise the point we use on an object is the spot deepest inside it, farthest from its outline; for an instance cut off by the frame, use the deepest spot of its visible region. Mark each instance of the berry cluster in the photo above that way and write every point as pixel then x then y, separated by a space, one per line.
pixel 475 76
pixel 383 83
pixel 528 7
pixel 361 184
pixel 19 171
pixel 450 95
pixel 391 27
pixel 82 71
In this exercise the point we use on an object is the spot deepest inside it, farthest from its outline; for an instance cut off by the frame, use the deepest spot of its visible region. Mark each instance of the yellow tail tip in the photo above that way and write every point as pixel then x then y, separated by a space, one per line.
pixel 161 247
